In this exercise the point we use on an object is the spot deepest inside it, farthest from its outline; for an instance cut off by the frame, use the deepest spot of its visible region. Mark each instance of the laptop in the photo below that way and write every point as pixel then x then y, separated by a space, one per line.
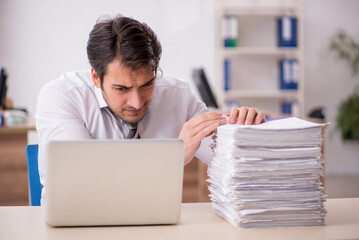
pixel 114 182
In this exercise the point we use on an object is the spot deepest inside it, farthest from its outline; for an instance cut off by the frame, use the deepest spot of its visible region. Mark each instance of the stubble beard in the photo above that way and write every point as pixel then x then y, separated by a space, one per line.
pixel 130 120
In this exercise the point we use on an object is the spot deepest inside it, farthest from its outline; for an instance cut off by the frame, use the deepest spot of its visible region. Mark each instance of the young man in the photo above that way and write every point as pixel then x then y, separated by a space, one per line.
pixel 125 95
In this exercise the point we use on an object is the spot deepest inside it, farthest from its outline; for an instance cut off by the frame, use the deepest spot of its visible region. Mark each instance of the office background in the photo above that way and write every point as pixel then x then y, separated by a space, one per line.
pixel 40 40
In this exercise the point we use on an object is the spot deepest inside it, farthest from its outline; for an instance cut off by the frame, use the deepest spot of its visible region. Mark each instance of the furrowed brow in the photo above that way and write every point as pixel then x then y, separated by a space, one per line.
pixel 152 79
pixel 120 86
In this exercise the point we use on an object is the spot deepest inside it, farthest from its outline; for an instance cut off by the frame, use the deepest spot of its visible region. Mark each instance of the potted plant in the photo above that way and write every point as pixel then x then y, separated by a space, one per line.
pixel 347 120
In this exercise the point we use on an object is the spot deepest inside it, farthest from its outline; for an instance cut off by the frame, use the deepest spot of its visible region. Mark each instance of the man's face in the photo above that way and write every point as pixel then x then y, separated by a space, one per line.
pixel 128 93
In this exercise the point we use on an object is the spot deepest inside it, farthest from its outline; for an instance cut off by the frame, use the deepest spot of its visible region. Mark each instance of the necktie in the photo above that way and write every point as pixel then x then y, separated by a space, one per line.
pixel 132 133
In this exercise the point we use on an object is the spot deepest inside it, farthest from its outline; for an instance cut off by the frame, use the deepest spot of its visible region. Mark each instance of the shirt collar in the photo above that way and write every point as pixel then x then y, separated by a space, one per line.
pixel 99 97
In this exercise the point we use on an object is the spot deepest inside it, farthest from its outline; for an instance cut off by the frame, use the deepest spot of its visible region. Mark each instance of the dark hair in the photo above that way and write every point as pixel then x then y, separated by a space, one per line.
pixel 126 39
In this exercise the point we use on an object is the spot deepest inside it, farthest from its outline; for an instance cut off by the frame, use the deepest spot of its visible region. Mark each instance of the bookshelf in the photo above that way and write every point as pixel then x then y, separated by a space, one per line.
pixel 254 72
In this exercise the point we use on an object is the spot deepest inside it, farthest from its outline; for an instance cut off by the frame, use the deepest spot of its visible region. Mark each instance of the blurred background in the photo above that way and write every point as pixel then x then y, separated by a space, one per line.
pixel 42 39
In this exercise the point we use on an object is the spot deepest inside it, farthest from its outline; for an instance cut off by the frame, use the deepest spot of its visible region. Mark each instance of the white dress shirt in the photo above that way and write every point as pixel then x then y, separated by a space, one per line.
pixel 72 108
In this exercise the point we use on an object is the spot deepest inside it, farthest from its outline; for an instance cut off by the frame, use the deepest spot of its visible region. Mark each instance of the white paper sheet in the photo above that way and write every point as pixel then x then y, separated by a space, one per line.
pixel 268 175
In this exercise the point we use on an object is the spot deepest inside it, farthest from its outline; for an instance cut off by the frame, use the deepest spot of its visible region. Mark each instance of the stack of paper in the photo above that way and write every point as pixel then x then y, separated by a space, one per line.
pixel 268 175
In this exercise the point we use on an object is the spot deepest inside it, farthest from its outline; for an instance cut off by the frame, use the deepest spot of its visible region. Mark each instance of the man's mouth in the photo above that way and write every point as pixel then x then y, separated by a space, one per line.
pixel 134 111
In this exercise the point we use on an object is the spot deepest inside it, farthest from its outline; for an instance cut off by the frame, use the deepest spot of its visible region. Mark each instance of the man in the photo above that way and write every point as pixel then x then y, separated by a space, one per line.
pixel 125 95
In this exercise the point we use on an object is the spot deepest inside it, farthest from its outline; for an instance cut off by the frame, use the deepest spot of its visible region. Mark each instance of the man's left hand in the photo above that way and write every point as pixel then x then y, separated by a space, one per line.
pixel 246 116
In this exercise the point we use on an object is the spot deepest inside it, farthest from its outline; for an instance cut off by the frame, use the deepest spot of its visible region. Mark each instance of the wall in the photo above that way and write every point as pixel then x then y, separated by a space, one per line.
pixel 40 39
pixel 328 80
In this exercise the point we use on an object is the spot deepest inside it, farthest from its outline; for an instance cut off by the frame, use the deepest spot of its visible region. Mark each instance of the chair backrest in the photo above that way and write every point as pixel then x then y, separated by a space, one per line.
pixel 33 173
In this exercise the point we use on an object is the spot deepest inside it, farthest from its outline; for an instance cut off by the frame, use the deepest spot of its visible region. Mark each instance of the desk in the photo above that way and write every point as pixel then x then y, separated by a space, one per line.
pixel 13 165
pixel 194 182
pixel 198 221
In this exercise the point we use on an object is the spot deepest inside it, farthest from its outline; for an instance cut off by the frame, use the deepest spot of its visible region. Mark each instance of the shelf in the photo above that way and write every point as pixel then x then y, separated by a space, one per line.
pixel 260 11
pixel 254 70
pixel 262 94
pixel 267 51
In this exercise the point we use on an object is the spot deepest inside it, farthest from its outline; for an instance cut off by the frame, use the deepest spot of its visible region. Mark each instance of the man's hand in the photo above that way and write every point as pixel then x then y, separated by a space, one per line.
pixel 246 116
pixel 194 130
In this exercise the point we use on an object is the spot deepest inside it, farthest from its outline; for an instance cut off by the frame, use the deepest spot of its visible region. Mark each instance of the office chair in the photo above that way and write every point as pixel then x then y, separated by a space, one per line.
pixel 33 173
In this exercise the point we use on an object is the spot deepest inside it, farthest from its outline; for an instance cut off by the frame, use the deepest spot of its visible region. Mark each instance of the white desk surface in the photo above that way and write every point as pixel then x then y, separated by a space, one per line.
pixel 198 221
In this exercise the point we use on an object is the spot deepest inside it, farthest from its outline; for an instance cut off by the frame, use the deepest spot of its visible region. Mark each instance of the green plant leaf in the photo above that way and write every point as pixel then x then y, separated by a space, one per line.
pixel 348 117
pixel 346 49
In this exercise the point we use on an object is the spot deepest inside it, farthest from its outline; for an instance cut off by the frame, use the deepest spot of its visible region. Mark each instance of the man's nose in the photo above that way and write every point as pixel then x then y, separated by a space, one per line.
pixel 135 100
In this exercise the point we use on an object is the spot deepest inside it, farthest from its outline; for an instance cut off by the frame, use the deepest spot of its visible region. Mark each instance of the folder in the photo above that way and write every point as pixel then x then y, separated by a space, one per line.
pixel 287 31
pixel 227 75
pixel 290 108
pixel 288 73
pixel 230 31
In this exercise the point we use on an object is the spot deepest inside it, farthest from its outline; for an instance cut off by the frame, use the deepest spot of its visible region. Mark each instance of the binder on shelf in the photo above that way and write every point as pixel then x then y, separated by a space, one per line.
pixel 227 75
pixel 230 31
pixel 288 73
pixel 287 31
pixel 290 108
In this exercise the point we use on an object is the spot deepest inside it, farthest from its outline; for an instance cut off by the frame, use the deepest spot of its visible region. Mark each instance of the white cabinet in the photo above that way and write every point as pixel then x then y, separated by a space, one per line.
pixel 254 72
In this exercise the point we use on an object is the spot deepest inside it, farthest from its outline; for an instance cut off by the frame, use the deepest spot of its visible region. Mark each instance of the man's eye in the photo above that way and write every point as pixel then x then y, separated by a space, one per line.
pixel 148 84
pixel 121 89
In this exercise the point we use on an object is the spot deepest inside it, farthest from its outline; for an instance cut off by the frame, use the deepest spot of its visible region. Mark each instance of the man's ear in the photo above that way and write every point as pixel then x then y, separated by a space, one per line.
pixel 95 79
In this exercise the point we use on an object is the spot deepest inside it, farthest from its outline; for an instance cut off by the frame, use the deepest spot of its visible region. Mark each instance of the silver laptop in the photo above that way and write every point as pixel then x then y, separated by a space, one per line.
pixel 122 182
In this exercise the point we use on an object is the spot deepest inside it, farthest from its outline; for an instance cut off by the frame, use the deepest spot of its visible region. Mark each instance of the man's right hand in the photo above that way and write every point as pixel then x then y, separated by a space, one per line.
pixel 194 130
